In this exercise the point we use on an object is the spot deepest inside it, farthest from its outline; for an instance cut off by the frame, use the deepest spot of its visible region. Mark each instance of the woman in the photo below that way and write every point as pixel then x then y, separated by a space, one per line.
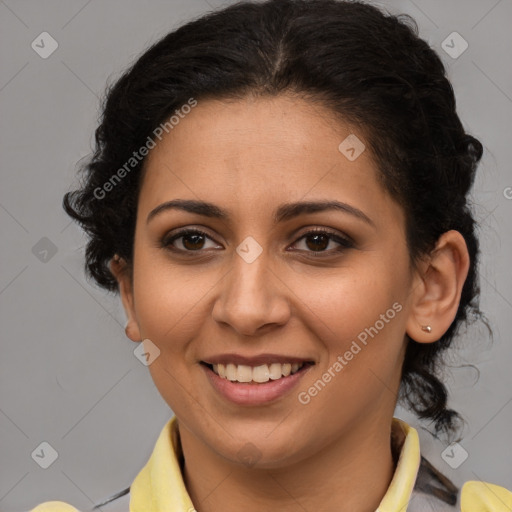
pixel 279 194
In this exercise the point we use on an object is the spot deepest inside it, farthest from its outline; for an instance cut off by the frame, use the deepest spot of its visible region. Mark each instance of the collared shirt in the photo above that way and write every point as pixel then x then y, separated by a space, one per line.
pixel 159 486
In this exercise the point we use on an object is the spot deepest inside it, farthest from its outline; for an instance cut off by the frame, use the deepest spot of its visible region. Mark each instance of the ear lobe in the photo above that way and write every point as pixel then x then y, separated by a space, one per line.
pixel 120 271
pixel 437 294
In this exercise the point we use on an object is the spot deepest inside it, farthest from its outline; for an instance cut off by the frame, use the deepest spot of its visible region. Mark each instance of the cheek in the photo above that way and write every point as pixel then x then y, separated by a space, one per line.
pixel 169 300
pixel 361 325
pixel 352 301
pixel 168 308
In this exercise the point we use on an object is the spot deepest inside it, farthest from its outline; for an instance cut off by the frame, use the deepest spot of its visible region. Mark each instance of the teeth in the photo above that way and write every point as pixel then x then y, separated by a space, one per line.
pixel 230 371
pixel 262 373
pixel 243 373
pixel 275 371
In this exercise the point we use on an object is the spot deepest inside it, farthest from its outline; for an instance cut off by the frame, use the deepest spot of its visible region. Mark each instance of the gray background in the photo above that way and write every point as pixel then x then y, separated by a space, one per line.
pixel 68 374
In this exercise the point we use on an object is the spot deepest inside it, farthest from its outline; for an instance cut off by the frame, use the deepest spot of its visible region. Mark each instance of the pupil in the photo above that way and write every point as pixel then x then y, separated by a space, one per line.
pixel 316 237
pixel 195 243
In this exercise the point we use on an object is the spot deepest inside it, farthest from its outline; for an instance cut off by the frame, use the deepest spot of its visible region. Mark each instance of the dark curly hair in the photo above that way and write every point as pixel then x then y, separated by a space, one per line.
pixel 368 67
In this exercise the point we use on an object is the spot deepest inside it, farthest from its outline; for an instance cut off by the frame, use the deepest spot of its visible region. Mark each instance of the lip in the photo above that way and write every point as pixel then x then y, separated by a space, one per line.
pixel 252 394
pixel 254 360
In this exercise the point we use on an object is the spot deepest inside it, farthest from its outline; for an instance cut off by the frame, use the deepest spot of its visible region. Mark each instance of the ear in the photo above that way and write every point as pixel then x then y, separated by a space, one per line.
pixel 438 288
pixel 123 275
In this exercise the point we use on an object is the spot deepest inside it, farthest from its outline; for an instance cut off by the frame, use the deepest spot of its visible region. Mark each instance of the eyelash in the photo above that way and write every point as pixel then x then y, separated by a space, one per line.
pixel 345 243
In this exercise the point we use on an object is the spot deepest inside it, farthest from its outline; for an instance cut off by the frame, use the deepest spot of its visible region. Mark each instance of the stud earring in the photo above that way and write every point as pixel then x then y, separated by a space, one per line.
pixel 426 328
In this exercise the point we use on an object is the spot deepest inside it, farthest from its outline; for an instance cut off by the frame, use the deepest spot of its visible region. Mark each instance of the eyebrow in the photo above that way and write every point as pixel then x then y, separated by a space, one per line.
pixel 285 211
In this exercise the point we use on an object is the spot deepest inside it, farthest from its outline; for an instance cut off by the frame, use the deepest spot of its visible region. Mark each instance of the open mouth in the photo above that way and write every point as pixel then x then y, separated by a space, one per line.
pixel 256 374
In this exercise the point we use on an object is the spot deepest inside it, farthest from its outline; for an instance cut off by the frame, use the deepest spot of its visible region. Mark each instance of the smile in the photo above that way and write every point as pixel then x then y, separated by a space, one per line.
pixel 257 385
pixel 259 374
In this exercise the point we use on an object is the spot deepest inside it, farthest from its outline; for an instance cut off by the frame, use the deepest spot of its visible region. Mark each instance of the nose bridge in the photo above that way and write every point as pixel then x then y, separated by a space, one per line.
pixel 250 276
pixel 252 260
pixel 249 297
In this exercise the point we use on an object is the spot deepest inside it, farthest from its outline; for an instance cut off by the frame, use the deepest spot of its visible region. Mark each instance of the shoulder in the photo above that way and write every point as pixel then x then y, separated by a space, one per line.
pixel 421 502
pixel 475 497
pixel 484 497
pixel 434 491
pixel 54 506
pixel 119 502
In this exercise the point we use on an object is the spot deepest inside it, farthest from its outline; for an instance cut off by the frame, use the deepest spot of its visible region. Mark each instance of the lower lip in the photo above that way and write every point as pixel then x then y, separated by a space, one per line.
pixel 242 393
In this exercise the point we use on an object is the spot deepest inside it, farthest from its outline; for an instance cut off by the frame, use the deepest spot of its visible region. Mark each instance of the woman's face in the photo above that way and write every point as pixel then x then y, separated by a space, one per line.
pixel 254 289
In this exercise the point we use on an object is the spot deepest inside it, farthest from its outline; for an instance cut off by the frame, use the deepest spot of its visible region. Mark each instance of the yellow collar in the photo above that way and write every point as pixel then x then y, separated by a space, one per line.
pixel 159 485
pixel 405 438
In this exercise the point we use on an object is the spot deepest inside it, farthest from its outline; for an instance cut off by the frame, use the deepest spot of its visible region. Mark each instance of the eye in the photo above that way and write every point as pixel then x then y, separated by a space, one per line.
pixel 192 240
pixel 317 241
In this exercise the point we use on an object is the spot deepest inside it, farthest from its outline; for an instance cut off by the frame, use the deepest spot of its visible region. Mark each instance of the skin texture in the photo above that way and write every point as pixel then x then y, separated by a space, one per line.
pixel 249 156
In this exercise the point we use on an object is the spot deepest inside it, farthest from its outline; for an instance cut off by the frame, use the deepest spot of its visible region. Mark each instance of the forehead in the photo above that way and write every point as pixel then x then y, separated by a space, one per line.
pixel 256 151
pixel 278 129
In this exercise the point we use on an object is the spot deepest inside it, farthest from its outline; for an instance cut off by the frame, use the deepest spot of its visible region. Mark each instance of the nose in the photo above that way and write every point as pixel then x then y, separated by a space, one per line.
pixel 252 298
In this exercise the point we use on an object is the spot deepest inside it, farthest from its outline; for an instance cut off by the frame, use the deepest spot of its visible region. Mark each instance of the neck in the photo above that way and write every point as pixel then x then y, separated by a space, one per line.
pixel 351 473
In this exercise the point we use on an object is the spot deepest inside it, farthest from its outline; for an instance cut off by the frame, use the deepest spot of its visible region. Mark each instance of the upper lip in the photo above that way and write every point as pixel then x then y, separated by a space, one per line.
pixel 254 360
